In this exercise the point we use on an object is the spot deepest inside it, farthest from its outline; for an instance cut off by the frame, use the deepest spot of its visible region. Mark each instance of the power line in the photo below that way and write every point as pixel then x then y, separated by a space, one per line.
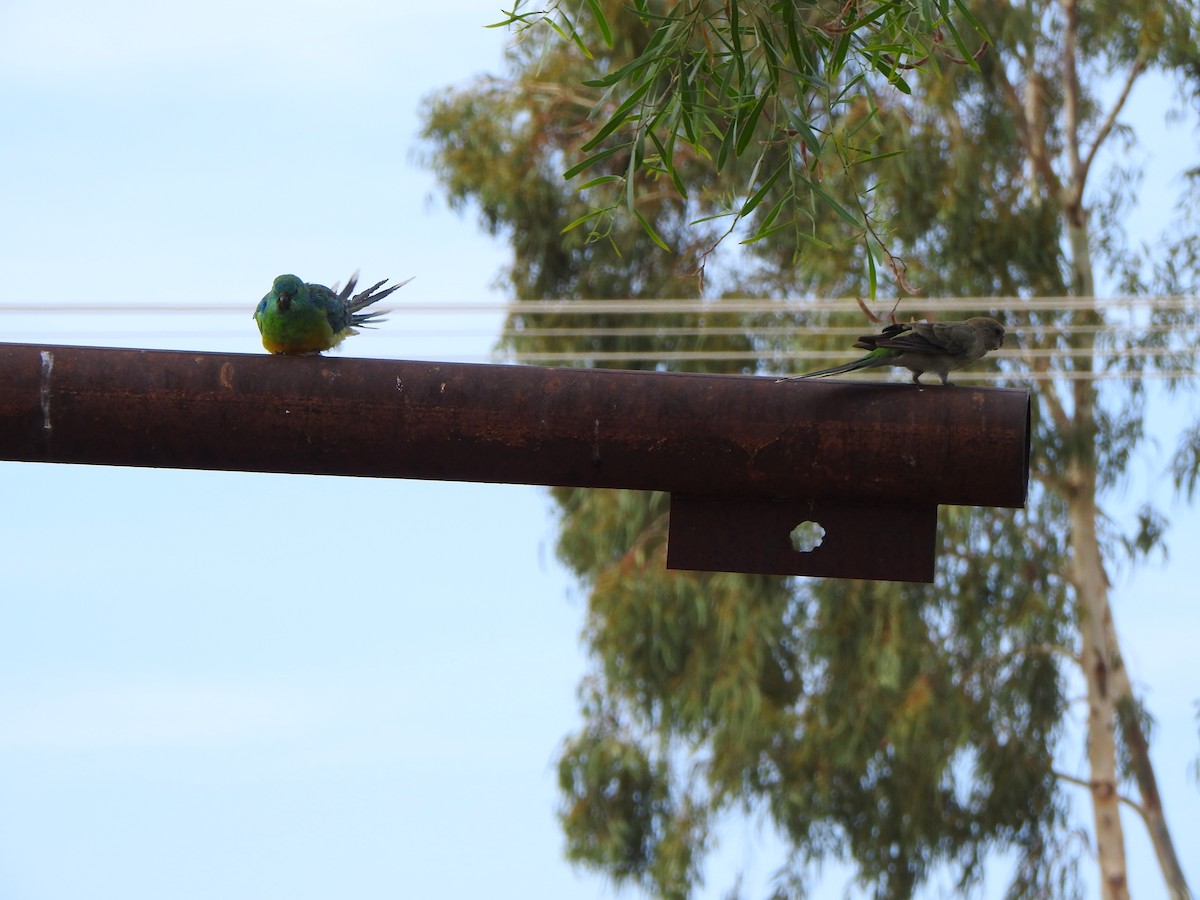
pixel 810 355
pixel 596 333
pixel 641 307
pixel 762 358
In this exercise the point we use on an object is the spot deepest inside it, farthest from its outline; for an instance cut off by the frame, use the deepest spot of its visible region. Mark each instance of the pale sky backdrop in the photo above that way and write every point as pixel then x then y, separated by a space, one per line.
pixel 267 686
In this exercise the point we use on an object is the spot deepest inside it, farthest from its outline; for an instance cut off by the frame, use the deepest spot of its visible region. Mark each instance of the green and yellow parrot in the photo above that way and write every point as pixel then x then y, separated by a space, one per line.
pixel 308 318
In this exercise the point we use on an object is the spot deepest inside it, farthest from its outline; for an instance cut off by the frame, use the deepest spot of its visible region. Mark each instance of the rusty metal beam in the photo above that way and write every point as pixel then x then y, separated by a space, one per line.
pixel 701 436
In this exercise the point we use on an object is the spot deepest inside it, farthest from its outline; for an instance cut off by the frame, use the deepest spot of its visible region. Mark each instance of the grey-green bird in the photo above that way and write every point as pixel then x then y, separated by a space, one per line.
pixel 941 347
pixel 308 318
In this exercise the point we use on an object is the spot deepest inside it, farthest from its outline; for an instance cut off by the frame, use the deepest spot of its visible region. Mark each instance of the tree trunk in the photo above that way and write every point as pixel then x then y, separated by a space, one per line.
pixel 1134 739
pixel 1088 576
pixel 1091 589
pixel 1090 580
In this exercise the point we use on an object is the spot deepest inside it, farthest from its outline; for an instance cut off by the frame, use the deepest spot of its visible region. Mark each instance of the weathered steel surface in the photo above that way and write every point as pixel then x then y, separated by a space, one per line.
pixel 701 435
pixel 746 459
pixel 880 541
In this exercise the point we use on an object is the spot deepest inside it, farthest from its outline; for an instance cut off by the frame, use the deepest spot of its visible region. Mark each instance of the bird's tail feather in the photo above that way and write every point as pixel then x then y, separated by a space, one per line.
pixel 836 370
pixel 344 293
pixel 363 299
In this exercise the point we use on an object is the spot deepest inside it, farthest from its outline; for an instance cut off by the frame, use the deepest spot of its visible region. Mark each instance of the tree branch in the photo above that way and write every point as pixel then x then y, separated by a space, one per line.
pixel 1046 649
pixel 1110 120
pixel 1033 145
pixel 1093 785
pixel 1073 198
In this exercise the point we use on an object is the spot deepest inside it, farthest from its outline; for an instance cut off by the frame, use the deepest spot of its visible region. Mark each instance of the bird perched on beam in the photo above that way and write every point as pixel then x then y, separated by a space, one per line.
pixel 308 318
pixel 941 347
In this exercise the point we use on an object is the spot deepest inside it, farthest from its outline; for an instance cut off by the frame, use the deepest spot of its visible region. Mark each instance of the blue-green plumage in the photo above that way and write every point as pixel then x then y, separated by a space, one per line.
pixel 295 317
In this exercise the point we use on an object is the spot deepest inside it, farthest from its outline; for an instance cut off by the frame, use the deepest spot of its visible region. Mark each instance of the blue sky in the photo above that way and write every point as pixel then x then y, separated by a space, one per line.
pixel 259 686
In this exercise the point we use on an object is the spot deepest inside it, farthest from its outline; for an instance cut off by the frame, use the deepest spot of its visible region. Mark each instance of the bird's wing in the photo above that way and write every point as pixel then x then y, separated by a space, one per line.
pixel 872 341
pixel 916 338
pixel 331 304
pixel 957 338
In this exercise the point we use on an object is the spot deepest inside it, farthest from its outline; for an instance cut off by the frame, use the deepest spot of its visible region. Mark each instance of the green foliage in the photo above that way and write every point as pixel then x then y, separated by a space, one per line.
pixel 620 812
pixel 503 146
pixel 615 801
pixel 748 81
pixel 901 725
pixel 1185 466
pixel 906 729
pixel 1195 767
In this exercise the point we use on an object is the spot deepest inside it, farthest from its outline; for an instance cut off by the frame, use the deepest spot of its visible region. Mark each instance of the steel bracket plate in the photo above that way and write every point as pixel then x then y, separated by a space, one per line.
pixel 860 540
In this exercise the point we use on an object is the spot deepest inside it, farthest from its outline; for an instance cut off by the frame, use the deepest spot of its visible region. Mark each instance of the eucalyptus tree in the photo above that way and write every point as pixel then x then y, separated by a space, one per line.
pixel 941 147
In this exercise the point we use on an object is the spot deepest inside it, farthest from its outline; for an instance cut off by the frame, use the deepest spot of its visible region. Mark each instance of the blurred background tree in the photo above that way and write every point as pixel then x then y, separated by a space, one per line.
pixel 905 728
